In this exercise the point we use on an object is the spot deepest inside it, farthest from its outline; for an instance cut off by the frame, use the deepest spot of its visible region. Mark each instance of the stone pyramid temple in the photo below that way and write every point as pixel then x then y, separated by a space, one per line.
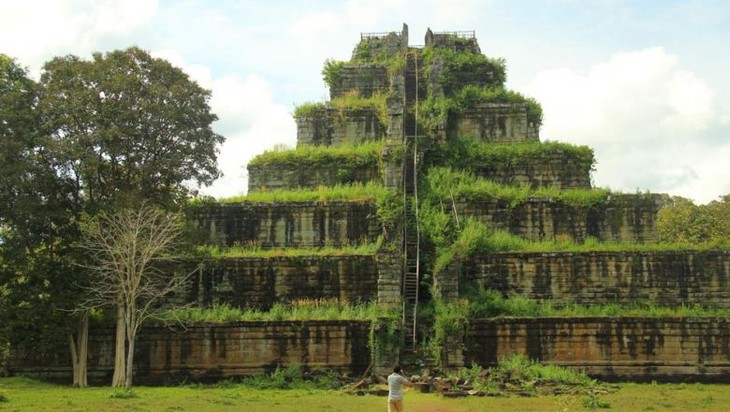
pixel 422 186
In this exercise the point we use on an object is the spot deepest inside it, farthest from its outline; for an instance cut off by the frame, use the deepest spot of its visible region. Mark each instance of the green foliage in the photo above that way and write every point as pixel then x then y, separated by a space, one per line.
pixel 520 368
pixel 446 184
pixel 122 394
pixel 376 49
pixel 332 71
pixel 348 104
pixel 517 373
pixel 469 153
pixel 389 210
pixel 473 237
pixel 366 154
pixel 353 103
pixel 504 241
pixel 434 110
pixel 384 337
pixel 127 126
pixel 355 193
pixel 465 65
pixel 450 319
pixel 306 309
pixel 485 303
pixel 309 109
pixel 470 96
pixel 684 222
pixel 593 402
pixel 293 376
pixel 254 251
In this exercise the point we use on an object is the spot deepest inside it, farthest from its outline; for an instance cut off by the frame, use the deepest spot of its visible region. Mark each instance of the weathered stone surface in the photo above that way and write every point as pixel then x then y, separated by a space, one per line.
pixel 660 278
pixel 610 348
pixel 624 218
pixel 493 122
pixel 292 224
pixel 390 275
pixel 552 167
pixel 210 352
pixel 261 282
pixel 335 127
pixel 363 80
pixel 293 176
pixel 451 41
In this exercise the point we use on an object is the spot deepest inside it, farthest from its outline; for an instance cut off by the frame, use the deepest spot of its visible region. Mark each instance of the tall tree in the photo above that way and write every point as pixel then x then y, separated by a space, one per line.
pixel 683 221
pixel 126 127
pixel 127 252
pixel 35 223
pixel 92 136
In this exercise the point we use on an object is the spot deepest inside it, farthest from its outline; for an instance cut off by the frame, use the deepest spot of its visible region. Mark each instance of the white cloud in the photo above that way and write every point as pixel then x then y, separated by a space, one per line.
pixel 316 23
pixel 34 31
pixel 248 118
pixel 251 122
pixel 653 125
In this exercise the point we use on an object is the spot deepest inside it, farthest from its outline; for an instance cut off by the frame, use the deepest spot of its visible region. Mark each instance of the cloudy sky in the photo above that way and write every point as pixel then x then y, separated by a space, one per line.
pixel 642 82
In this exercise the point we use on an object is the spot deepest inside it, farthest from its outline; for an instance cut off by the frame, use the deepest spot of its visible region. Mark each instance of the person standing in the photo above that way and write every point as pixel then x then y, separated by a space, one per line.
pixel 395 390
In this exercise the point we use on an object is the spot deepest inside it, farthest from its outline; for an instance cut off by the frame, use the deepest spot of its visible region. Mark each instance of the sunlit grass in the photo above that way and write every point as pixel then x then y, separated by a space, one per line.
pixel 303 309
pixel 355 192
pixel 27 395
pixel 258 252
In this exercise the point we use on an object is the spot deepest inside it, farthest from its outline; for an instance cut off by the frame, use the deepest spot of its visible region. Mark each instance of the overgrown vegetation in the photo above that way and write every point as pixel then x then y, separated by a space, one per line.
pixel 366 154
pixel 434 110
pixel 444 184
pixel 332 71
pixel 485 303
pixel 307 109
pixel 354 192
pixel 354 103
pixel 294 376
pixel 459 67
pixel 351 103
pixel 255 251
pixel 683 221
pixel 380 50
pixel 518 374
pixel 303 309
pixel 469 154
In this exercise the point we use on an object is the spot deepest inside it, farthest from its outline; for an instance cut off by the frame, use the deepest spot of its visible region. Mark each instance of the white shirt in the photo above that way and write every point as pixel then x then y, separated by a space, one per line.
pixel 395 386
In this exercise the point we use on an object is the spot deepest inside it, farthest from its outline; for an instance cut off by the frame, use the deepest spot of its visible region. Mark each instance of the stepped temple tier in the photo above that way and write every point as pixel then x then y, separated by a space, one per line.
pixel 422 191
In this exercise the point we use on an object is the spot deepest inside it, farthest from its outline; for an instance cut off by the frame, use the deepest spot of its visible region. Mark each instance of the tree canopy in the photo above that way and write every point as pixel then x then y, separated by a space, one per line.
pixel 90 137
pixel 126 126
pixel 684 222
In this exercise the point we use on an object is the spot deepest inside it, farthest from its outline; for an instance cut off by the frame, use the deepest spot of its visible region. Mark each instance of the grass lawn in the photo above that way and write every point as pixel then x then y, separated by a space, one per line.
pixel 27 395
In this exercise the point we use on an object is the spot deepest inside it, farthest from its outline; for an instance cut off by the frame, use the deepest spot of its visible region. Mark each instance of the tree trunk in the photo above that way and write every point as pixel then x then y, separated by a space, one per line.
pixel 79 351
pixel 130 358
pixel 120 355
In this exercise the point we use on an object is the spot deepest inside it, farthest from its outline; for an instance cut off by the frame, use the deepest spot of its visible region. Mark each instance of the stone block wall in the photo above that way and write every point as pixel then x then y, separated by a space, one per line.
pixel 261 282
pixel 672 278
pixel 291 176
pixel 558 169
pixel 390 277
pixel 211 352
pixel 363 80
pixel 333 127
pixel 291 224
pixel 624 218
pixel 493 122
pixel 639 349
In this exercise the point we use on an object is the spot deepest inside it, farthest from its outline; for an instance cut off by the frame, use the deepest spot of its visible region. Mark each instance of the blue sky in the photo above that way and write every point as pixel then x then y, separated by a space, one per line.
pixel 642 82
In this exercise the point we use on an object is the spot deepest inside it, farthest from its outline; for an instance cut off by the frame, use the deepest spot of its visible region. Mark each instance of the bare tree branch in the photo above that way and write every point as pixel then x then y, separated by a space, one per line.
pixel 128 251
